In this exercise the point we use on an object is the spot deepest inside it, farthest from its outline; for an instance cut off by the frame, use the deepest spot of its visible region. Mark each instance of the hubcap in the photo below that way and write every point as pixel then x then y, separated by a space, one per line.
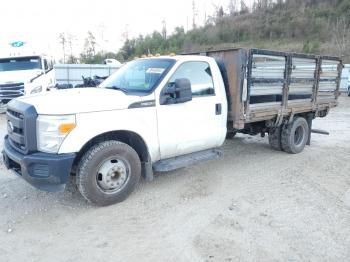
pixel 298 135
pixel 112 175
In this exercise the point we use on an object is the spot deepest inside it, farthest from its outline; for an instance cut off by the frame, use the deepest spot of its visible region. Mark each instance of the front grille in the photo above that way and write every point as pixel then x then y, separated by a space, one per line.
pixel 21 126
pixel 10 91
pixel 15 114
pixel 15 129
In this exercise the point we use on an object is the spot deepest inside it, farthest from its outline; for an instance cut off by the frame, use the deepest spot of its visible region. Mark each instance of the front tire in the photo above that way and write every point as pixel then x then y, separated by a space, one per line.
pixel 108 173
pixel 295 135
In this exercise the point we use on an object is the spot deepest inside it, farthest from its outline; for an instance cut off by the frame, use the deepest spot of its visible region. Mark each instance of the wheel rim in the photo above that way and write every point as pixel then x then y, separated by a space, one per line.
pixel 112 175
pixel 298 136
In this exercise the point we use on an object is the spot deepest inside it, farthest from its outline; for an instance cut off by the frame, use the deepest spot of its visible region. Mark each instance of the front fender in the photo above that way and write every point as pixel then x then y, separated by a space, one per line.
pixel 141 121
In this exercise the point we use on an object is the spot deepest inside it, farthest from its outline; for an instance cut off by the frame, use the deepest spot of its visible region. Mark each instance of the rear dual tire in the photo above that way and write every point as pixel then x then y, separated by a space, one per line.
pixel 290 138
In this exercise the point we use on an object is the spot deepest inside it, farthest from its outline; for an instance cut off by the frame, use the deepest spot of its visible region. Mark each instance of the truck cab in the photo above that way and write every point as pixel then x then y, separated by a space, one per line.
pixel 21 75
pixel 155 108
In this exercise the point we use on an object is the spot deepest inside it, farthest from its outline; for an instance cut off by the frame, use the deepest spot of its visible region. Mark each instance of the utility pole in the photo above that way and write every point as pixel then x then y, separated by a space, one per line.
pixel 194 14
pixel 62 38
pixel 125 34
pixel 70 39
pixel 164 31
pixel 186 24
pixel 205 14
pixel 101 28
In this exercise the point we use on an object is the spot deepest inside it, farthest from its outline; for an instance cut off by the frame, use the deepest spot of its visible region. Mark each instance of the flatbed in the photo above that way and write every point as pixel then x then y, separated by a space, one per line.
pixel 271 85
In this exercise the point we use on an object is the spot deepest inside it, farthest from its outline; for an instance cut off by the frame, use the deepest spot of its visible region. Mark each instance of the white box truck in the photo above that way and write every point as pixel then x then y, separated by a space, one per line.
pixel 160 114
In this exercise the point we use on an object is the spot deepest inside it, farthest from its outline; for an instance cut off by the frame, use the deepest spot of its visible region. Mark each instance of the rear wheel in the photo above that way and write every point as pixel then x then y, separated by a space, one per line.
pixel 294 136
pixel 108 173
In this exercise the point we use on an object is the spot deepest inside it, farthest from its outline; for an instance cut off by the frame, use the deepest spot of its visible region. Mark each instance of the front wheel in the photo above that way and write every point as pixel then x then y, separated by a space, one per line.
pixel 108 173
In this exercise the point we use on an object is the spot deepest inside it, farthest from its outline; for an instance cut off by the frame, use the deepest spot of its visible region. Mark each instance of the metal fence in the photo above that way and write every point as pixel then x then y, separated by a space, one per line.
pixel 72 73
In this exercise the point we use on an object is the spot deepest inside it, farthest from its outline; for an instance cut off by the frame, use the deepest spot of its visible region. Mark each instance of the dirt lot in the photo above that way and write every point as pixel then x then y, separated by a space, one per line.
pixel 253 204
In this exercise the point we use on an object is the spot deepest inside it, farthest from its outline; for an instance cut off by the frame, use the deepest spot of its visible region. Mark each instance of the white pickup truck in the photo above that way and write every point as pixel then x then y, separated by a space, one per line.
pixel 160 114
pixel 25 74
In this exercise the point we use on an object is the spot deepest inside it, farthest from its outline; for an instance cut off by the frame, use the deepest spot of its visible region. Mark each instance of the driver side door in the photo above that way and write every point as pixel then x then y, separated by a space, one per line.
pixel 191 126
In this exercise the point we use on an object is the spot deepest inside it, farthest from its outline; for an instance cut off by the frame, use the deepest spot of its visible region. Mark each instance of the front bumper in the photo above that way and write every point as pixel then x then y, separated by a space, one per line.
pixel 49 172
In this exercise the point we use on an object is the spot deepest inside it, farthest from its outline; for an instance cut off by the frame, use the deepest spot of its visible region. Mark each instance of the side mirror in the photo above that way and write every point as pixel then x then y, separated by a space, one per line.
pixel 177 92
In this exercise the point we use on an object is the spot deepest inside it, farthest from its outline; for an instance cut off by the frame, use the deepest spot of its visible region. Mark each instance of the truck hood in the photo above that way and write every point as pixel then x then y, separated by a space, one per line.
pixel 22 76
pixel 79 100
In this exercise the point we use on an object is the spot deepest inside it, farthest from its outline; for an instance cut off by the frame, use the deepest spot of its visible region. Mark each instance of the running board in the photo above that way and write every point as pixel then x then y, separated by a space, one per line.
pixel 174 163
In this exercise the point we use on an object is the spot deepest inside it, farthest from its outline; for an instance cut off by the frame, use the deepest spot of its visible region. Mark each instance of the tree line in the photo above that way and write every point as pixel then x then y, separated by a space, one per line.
pixel 311 26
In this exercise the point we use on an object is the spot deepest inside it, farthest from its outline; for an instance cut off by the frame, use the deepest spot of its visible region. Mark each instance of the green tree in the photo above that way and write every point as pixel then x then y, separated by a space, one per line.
pixel 88 56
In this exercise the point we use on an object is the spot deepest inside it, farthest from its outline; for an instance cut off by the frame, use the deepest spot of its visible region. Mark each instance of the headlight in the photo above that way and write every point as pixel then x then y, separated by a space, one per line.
pixel 36 90
pixel 52 130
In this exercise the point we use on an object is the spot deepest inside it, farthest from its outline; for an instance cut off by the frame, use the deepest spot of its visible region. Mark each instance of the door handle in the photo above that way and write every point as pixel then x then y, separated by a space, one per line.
pixel 218 109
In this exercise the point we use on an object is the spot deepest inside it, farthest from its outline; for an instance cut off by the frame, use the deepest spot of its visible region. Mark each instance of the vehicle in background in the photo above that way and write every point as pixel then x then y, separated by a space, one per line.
pixel 111 61
pixel 87 82
pixel 160 114
pixel 21 75
pixel 74 74
pixel 91 81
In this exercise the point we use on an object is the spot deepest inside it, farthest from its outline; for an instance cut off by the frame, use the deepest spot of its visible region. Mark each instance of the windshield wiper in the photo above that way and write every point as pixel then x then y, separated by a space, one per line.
pixel 117 88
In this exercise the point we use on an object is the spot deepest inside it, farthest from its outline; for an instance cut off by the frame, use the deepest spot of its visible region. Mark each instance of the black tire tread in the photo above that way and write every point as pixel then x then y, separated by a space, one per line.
pixel 81 175
pixel 286 133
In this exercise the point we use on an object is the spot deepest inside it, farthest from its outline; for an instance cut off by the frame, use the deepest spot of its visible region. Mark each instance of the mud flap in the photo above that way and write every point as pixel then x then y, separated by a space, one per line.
pixel 147 170
pixel 309 119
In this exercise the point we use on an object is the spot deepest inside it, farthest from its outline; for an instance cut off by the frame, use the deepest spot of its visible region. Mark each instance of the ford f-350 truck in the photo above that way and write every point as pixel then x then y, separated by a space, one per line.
pixel 160 114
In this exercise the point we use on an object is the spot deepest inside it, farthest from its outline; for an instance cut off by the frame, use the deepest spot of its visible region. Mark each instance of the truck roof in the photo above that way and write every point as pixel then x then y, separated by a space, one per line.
pixel 22 56
pixel 183 58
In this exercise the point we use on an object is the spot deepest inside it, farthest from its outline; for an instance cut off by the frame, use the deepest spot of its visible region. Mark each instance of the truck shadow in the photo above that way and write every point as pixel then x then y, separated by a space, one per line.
pixel 238 151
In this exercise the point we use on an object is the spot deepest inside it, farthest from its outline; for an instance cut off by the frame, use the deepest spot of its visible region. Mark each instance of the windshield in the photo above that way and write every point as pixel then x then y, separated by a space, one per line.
pixel 139 75
pixel 20 63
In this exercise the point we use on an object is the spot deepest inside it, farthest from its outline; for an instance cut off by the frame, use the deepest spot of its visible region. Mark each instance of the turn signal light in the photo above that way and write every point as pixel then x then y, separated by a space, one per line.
pixel 66 128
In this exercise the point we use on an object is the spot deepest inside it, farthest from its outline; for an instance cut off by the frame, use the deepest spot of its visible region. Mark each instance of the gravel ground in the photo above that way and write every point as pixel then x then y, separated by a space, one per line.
pixel 253 204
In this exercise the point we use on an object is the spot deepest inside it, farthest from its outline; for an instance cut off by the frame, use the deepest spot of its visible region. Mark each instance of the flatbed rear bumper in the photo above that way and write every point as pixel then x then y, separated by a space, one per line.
pixel 49 172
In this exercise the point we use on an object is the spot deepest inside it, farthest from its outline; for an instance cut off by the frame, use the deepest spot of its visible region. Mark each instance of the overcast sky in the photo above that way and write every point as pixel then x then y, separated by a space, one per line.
pixel 39 22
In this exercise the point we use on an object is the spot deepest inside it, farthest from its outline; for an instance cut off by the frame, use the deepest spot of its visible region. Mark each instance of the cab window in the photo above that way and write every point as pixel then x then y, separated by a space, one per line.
pixel 200 76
